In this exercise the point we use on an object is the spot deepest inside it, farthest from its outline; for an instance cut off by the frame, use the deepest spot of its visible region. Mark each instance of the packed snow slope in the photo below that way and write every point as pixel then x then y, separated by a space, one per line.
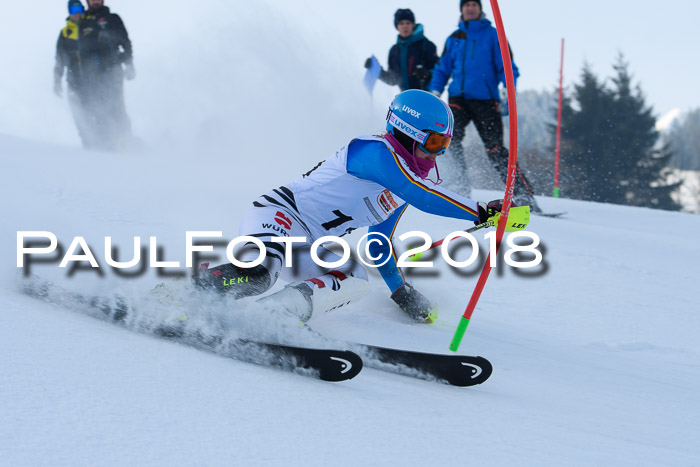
pixel 596 354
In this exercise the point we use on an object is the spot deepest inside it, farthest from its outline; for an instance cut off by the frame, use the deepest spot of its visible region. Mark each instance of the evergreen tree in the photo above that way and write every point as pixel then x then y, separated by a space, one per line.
pixel 582 145
pixel 609 152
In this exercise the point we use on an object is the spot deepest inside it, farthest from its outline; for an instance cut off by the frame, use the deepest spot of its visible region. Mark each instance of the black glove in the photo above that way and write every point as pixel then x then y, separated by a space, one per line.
pixel 368 62
pixel 487 211
pixel 415 304
pixel 421 73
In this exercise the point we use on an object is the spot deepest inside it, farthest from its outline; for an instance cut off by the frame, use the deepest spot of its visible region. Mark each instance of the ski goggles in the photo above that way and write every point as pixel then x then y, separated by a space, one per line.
pixel 75 9
pixel 428 141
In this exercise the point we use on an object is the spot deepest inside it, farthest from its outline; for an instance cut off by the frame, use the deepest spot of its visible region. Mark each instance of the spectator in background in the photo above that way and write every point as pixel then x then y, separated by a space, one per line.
pixel 106 59
pixel 68 60
pixel 412 58
pixel 472 58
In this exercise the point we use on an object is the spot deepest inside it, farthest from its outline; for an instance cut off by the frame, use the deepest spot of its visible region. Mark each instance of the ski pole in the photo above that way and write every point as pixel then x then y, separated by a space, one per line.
pixel 483 225
pixel 519 218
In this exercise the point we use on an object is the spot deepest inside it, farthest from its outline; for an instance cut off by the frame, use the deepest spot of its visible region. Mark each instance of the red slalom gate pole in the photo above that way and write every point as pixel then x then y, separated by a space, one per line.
pixel 510 180
pixel 558 143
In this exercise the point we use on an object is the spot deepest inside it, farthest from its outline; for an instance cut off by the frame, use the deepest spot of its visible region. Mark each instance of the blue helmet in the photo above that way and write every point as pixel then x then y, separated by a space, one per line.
pixel 424 118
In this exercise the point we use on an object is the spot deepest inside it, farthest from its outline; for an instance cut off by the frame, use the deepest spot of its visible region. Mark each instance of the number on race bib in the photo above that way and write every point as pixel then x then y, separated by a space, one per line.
pixel 339 220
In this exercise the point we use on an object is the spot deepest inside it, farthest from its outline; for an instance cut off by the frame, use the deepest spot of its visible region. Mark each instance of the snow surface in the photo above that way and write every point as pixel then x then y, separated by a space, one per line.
pixel 596 356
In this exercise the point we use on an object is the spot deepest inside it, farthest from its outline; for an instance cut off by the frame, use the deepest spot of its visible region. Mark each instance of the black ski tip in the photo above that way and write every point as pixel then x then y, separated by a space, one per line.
pixel 339 366
pixel 326 364
pixel 476 371
pixel 457 370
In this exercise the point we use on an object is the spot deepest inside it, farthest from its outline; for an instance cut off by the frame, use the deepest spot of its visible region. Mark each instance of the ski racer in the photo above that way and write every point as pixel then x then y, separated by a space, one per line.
pixel 368 182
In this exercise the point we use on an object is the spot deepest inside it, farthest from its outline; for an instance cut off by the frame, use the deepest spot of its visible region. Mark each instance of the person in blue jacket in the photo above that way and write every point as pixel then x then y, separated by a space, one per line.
pixel 368 182
pixel 412 58
pixel 472 58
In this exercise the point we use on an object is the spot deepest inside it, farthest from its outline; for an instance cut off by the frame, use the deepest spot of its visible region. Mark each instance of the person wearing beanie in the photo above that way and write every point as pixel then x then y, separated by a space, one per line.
pixel 462 2
pixel 412 58
pixel 403 14
pixel 472 60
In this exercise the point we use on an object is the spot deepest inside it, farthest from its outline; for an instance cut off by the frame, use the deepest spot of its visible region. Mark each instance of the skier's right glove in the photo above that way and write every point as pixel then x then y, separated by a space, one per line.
pixel 415 304
pixel 368 62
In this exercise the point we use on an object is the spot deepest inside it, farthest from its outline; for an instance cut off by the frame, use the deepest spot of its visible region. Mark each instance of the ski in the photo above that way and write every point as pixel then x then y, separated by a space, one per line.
pixel 457 370
pixel 332 365
pixel 325 364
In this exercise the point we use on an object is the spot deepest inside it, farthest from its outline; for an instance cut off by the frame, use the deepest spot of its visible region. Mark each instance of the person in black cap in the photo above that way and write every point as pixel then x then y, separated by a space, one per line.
pixel 412 58
pixel 68 61
pixel 106 59
pixel 472 59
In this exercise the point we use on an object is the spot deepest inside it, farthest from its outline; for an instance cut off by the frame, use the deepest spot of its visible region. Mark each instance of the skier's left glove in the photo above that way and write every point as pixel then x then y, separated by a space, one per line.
pixel 518 217
pixel 130 71
pixel 415 304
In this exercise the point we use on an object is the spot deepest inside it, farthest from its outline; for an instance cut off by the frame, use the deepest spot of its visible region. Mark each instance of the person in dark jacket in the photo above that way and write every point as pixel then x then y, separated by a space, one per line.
pixel 68 61
pixel 412 58
pixel 67 50
pixel 472 58
pixel 106 59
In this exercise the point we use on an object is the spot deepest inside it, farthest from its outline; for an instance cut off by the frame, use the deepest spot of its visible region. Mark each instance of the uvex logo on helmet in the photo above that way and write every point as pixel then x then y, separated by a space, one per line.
pixel 406 129
pixel 406 108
